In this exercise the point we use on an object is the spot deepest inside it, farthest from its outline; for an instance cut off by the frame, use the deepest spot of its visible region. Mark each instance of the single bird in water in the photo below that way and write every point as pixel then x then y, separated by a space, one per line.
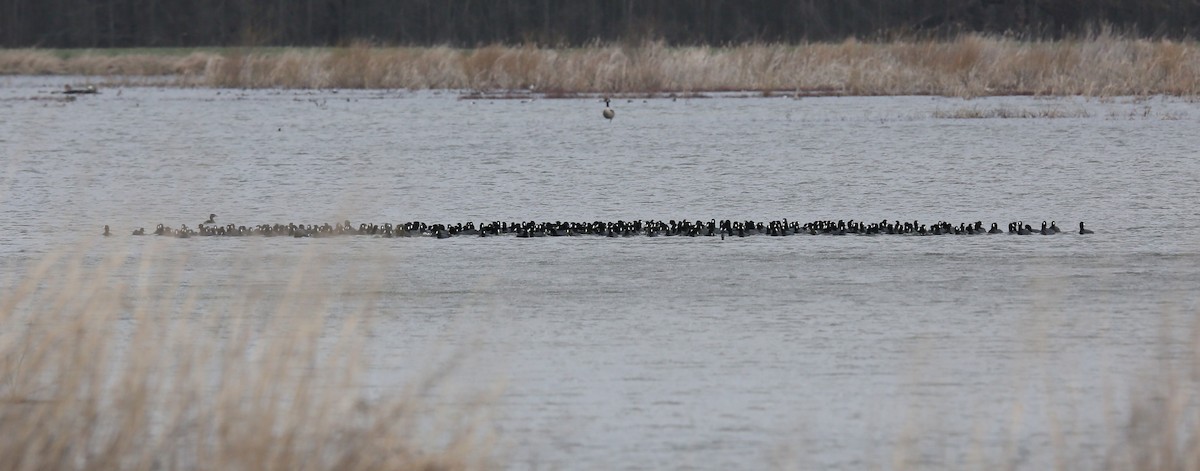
pixel 608 112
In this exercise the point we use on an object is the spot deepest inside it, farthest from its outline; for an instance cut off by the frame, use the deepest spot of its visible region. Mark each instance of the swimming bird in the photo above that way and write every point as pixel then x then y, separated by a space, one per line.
pixel 139 231
pixel 212 219
pixel 1084 231
pixel 608 112
pixel 106 233
pixel 67 89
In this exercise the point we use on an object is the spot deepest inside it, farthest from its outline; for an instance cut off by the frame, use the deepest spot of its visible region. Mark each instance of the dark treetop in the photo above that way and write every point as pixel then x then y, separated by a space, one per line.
pixel 190 23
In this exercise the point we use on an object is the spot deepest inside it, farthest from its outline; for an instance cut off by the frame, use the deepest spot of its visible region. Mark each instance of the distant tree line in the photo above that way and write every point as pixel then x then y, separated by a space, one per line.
pixel 191 23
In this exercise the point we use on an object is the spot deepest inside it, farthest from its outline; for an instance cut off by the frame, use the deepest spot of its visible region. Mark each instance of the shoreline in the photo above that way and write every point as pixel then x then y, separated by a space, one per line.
pixel 969 66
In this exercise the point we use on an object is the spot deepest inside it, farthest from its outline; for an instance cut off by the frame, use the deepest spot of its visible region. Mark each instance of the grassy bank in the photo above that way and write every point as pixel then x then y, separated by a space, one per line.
pixel 973 65
pixel 97 375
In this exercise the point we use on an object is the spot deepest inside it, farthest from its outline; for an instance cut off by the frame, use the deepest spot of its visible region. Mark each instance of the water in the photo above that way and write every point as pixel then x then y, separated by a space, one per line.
pixel 671 353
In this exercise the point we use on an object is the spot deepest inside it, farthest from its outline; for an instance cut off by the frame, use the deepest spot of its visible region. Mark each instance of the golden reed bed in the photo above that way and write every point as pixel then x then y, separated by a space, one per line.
pixel 97 374
pixel 100 374
pixel 972 65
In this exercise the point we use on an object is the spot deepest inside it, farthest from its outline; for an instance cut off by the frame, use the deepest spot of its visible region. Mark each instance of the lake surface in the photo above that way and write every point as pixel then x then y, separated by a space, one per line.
pixel 807 352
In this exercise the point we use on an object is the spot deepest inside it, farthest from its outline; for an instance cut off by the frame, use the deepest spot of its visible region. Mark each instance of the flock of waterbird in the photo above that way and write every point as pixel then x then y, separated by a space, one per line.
pixel 620 228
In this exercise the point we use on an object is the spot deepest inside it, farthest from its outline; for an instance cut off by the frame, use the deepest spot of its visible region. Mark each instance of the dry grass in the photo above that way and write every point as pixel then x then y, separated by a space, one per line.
pixel 1162 432
pixel 97 375
pixel 1004 112
pixel 1102 65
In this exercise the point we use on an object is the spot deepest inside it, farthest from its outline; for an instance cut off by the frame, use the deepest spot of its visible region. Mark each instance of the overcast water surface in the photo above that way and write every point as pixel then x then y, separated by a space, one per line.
pixel 808 352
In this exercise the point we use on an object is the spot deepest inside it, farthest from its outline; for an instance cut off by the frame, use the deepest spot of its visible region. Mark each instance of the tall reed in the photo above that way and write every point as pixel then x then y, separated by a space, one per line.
pixel 1162 431
pixel 1104 64
pixel 99 375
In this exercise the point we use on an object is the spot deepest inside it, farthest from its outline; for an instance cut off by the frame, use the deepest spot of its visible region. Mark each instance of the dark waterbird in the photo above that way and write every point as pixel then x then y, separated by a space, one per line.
pixel 88 90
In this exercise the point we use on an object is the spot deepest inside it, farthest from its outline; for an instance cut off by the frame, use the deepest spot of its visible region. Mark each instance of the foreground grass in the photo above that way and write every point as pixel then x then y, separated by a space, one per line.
pixel 972 65
pixel 101 376
pixel 97 375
